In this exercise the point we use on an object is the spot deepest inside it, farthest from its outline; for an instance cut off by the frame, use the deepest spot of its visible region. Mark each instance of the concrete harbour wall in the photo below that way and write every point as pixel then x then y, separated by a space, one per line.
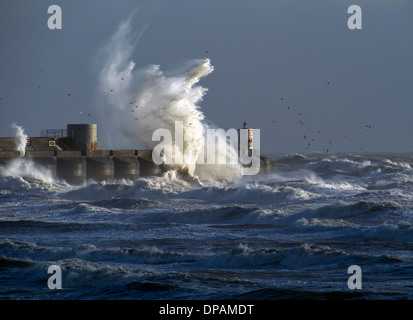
pixel 80 167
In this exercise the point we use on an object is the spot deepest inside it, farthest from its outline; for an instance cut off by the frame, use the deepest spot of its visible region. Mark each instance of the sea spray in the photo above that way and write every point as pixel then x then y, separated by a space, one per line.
pixel 135 103
pixel 20 139
pixel 25 168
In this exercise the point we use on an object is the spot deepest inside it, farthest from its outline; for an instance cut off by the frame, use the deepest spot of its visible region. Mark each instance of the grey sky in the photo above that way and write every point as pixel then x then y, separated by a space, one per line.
pixel 276 63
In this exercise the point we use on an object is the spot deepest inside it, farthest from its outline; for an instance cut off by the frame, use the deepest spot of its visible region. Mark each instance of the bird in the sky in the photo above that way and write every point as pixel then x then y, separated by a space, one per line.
pixel 302 123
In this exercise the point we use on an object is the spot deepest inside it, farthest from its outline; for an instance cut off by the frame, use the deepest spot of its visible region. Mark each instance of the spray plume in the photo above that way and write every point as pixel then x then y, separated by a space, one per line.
pixel 20 139
pixel 137 102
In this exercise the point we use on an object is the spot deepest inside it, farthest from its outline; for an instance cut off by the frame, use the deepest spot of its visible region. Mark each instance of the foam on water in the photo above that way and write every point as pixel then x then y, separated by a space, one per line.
pixel 25 168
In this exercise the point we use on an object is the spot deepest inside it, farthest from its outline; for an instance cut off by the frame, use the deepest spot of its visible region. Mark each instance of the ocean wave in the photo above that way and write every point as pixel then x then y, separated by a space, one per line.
pixel 161 188
pixel 94 191
pixel 329 166
pixel 325 222
pixel 37 226
pixel 126 203
pixel 344 210
pixel 86 208
pixel 235 214
pixel 28 251
pixel 148 187
pixel 31 251
pixel 387 165
pixel 303 256
pixel 82 273
pixel 143 255
pixel 251 193
pixel 401 231
pixel 10 262
pixel 359 167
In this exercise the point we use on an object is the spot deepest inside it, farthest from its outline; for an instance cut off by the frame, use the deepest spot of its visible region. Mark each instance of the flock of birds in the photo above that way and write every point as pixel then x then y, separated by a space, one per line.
pixel 309 140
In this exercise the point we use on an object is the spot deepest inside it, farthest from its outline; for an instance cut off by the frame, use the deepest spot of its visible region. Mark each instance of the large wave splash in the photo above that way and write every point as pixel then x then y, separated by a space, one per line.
pixel 20 139
pixel 138 102
pixel 23 167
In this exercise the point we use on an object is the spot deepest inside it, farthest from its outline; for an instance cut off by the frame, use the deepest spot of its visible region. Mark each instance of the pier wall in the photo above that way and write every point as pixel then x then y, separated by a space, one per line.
pixel 79 167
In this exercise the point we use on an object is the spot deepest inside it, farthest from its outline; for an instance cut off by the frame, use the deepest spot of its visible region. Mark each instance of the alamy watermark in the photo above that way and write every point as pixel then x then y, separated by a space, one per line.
pixel 55 20
pixel 354 21
pixel 55 280
pixel 354 281
pixel 222 147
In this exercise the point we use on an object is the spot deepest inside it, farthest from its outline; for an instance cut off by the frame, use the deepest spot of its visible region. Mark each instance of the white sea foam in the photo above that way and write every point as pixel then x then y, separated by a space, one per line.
pixel 20 139
pixel 25 168
pixel 135 103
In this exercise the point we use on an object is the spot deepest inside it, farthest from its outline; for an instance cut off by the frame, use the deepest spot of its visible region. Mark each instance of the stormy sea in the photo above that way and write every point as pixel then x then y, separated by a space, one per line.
pixel 289 234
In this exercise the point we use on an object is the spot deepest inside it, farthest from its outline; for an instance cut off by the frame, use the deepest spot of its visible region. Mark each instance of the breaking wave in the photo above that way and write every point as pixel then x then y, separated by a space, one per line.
pixel 137 103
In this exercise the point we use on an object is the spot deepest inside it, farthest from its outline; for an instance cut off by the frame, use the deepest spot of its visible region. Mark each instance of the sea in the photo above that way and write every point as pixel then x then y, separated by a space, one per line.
pixel 319 226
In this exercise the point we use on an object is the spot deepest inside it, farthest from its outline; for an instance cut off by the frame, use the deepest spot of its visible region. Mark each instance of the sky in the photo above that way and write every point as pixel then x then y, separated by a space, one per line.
pixel 291 68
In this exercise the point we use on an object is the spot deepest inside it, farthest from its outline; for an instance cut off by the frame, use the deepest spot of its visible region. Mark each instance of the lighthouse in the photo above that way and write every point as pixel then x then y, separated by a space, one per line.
pixel 250 139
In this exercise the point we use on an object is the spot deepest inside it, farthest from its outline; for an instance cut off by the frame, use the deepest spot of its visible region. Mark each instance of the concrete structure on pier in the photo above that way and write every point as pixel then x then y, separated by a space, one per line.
pixel 72 155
